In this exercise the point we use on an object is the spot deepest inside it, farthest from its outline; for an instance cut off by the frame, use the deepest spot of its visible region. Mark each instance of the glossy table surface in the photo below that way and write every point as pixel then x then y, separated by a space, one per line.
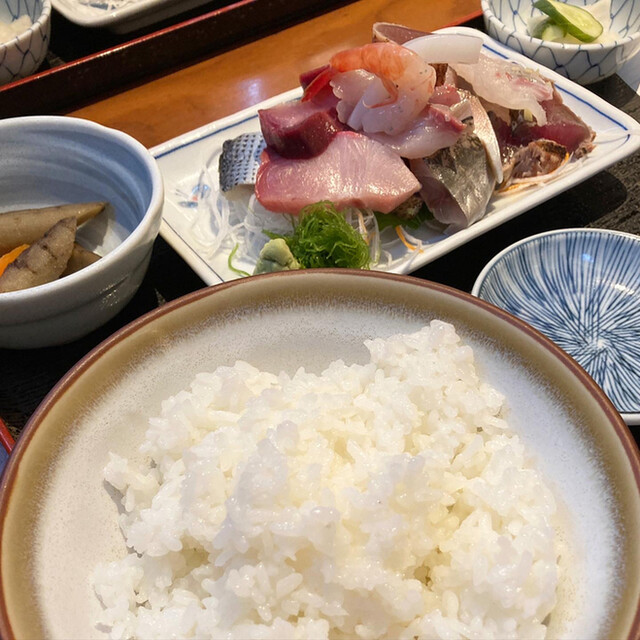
pixel 159 108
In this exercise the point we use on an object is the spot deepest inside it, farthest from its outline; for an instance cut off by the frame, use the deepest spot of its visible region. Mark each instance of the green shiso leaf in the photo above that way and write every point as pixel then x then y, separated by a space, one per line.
pixel 323 238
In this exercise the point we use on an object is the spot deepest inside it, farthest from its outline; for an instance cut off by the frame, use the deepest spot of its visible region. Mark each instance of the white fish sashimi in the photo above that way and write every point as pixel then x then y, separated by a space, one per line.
pixel 507 84
pixel 435 129
pixel 354 171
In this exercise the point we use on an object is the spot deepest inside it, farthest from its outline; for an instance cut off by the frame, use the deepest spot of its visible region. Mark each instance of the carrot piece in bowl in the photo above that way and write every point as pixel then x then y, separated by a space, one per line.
pixel 10 256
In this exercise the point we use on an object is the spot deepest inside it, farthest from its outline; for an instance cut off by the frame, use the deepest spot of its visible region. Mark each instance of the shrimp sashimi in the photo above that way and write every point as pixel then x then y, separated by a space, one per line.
pixel 396 87
pixel 357 91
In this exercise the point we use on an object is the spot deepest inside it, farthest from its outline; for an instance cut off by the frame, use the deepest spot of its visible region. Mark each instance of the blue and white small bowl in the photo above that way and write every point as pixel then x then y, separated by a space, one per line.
pixel 506 21
pixel 581 288
pixel 23 54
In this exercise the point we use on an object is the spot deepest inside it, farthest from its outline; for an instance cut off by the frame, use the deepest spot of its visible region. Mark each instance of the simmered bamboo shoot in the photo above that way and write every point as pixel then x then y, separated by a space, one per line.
pixel 29 225
pixel 43 261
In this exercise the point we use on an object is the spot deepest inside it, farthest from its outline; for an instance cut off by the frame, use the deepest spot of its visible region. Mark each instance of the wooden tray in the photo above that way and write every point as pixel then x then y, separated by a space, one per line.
pixel 83 63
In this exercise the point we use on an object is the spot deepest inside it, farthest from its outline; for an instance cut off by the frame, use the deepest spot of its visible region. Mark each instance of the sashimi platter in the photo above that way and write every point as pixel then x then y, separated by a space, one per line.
pixel 388 156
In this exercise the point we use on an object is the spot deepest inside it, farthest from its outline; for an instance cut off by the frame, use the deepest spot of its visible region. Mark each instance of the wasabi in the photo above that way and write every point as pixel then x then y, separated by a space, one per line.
pixel 276 256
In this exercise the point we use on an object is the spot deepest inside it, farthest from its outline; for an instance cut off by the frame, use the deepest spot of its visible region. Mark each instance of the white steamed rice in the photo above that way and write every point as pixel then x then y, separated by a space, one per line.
pixel 384 500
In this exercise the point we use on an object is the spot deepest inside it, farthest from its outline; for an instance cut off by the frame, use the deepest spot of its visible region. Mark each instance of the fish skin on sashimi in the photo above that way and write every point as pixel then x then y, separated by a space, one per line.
pixel 457 183
pixel 354 171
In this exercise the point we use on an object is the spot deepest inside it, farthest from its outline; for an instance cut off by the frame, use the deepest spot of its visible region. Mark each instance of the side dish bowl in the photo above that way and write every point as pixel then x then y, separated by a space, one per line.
pixel 52 160
pixel 22 54
pixel 506 21
pixel 56 511
pixel 580 288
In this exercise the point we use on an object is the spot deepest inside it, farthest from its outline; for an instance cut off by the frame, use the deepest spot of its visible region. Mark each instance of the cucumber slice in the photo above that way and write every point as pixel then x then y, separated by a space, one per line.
pixel 576 21
pixel 548 30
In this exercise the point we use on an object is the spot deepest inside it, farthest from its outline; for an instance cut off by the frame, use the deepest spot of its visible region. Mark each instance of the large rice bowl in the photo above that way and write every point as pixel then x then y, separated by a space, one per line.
pixel 388 499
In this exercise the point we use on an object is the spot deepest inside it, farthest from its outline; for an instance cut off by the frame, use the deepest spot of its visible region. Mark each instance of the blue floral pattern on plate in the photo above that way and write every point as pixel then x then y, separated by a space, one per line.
pixel 581 288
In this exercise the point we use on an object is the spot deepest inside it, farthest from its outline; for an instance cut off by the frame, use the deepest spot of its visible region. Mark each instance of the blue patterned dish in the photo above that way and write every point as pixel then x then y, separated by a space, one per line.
pixel 581 288
pixel 22 55
pixel 506 21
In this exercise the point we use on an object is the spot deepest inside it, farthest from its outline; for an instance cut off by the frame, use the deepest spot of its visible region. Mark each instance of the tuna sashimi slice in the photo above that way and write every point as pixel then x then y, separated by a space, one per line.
pixel 562 126
pixel 299 129
pixel 353 171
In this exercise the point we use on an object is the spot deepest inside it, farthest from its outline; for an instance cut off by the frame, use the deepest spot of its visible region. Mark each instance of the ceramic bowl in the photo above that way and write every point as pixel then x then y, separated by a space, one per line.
pixel 506 21
pixel 580 287
pixel 22 54
pixel 57 518
pixel 50 160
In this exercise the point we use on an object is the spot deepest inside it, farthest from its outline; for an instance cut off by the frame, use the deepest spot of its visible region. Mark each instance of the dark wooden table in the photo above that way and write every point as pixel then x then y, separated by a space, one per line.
pixel 610 199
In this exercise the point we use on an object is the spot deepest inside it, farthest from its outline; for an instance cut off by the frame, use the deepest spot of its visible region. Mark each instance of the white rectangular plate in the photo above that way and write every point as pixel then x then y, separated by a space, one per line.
pixel 182 160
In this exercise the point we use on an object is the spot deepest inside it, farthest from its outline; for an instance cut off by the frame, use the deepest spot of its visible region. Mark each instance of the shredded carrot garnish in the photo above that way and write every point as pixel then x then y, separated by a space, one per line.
pixel 411 247
pixel 10 256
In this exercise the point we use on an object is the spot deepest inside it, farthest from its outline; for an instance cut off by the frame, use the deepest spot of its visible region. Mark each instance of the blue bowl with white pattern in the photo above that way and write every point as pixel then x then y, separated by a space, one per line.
pixel 581 288
pixel 506 21
pixel 27 28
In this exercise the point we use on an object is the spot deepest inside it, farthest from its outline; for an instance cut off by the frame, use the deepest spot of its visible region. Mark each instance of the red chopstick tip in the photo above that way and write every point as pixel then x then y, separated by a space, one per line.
pixel 6 440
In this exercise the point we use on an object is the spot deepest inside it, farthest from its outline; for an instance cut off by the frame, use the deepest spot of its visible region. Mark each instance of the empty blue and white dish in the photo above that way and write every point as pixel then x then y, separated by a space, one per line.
pixel 581 288
pixel 507 21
